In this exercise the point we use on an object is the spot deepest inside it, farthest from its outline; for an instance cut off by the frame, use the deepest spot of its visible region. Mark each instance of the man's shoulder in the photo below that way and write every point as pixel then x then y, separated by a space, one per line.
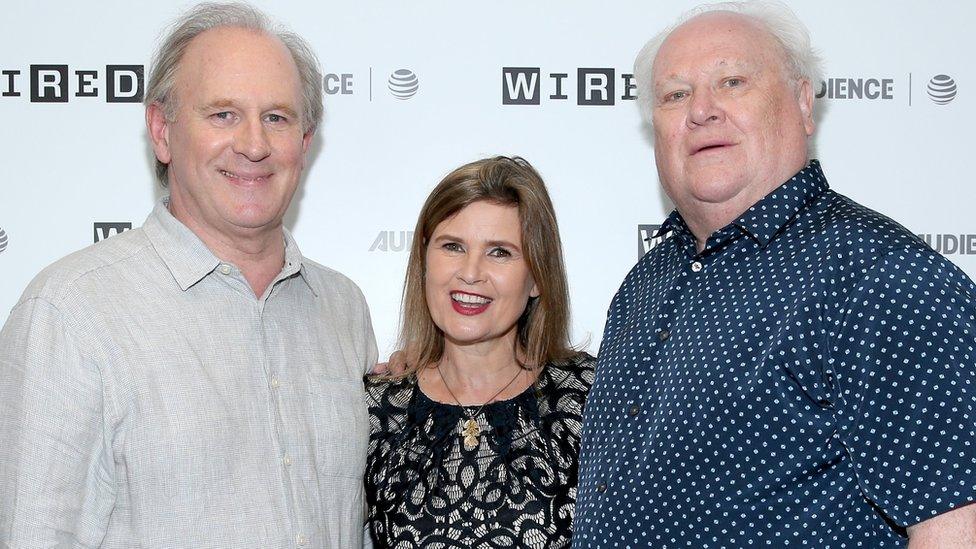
pixel 88 271
pixel 330 281
pixel 859 241
pixel 862 230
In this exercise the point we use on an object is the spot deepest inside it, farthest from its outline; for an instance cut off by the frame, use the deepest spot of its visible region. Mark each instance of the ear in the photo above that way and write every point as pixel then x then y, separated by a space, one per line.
pixel 534 292
pixel 158 128
pixel 804 95
pixel 307 140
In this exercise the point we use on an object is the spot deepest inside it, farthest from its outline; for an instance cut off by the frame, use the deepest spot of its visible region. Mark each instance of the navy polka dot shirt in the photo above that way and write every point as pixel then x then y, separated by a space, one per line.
pixel 807 379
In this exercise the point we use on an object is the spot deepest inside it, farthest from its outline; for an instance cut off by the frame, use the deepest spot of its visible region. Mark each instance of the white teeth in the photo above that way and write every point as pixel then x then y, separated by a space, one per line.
pixel 235 176
pixel 468 298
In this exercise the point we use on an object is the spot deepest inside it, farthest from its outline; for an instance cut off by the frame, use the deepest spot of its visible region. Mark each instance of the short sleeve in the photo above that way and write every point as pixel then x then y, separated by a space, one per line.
pixel 56 483
pixel 905 365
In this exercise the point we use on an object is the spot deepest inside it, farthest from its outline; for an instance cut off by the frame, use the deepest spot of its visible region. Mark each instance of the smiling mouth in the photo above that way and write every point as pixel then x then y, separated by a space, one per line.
pixel 245 179
pixel 469 304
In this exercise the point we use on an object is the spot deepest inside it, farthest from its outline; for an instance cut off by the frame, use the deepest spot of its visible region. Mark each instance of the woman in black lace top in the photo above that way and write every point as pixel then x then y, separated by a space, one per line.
pixel 477 444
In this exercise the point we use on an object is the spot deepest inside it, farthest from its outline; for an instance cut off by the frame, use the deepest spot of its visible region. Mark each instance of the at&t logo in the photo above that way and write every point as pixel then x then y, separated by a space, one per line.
pixel 942 89
pixel 3 240
pixel 403 84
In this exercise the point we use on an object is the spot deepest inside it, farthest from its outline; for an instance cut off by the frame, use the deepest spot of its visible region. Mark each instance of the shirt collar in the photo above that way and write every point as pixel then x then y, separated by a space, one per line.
pixel 188 258
pixel 763 220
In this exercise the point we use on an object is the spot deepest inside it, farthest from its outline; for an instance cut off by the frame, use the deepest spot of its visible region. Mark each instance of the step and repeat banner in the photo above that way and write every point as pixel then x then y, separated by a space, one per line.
pixel 417 88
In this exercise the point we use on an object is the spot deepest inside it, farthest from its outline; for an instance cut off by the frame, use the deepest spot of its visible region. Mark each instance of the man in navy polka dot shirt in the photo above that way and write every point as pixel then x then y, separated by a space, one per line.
pixel 787 367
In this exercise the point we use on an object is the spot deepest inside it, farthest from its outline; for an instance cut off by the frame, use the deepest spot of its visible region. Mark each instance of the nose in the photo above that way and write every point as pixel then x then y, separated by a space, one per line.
pixel 470 271
pixel 252 141
pixel 704 109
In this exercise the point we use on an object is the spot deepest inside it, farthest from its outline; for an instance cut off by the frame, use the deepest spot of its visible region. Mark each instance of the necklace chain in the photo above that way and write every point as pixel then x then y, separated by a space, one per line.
pixel 471 432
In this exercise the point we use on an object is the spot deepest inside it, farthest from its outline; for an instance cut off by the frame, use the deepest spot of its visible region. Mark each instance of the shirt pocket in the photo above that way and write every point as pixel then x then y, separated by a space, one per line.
pixel 341 425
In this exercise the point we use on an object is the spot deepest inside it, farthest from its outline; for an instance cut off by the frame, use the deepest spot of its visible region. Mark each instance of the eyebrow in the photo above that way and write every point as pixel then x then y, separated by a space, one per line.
pixel 223 103
pixel 735 65
pixel 490 243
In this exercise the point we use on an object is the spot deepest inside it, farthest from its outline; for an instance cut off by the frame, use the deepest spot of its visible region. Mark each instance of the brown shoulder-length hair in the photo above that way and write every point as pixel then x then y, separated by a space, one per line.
pixel 543 328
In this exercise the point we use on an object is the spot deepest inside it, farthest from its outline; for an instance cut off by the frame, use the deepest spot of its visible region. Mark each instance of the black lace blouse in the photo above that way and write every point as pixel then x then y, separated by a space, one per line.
pixel 517 488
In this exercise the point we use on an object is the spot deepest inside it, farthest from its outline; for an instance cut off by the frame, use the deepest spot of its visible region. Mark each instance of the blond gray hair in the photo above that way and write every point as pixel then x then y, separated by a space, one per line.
pixel 207 16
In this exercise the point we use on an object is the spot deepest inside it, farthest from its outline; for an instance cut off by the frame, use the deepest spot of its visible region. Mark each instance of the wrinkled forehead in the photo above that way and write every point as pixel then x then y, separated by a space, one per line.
pixel 716 39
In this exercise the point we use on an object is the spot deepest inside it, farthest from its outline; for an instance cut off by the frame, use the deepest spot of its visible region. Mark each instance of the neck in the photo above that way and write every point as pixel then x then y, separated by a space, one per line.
pixel 477 366
pixel 704 218
pixel 258 253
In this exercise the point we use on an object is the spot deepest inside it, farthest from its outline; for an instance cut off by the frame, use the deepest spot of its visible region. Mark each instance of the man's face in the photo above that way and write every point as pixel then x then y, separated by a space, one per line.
pixel 236 148
pixel 729 126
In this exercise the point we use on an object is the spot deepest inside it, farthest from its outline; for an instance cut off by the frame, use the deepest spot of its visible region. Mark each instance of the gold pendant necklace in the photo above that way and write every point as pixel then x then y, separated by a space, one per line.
pixel 471 431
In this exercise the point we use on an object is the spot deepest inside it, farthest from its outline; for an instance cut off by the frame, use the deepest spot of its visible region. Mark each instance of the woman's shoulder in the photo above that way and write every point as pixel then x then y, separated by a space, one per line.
pixel 384 390
pixel 574 371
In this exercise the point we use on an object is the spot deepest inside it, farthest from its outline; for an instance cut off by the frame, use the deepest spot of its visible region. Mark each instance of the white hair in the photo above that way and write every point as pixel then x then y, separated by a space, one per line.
pixel 802 61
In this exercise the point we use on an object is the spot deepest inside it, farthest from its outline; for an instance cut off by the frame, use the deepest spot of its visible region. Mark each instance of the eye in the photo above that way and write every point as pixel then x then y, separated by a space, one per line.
pixel 275 118
pixel 675 96
pixel 452 247
pixel 223 117
pixel 733 82
pixel 499 252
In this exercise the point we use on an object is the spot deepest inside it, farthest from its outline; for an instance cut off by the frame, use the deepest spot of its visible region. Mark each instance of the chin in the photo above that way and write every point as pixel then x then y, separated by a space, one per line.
pixel 715 188
pixel 253 216
pixel 462 339
pixel 718 194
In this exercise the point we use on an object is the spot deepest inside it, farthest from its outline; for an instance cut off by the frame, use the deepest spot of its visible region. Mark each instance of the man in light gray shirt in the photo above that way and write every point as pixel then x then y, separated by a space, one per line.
pixel 195 382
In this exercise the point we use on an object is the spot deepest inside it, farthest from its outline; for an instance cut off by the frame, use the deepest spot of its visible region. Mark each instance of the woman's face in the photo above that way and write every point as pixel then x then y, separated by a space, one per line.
pixel 478 283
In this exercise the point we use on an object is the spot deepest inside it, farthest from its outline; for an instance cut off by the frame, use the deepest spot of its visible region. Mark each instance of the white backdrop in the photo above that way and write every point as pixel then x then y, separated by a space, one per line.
pixel 68 165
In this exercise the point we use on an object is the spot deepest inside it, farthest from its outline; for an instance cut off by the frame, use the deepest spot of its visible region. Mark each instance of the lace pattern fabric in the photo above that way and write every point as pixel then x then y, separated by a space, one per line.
pixel 517 488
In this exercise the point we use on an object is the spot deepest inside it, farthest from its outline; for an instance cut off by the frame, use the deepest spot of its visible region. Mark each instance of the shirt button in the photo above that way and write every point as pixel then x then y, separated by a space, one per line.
pixel 697 266
pixel 633 410
pixel 301 540
pixel 663 335
pixel 286 460
pixel 602 487
pixel 274 382
pixel 225 269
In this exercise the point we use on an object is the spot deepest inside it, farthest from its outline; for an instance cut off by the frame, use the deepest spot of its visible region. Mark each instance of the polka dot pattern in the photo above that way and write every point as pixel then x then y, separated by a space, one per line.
pixel 807 379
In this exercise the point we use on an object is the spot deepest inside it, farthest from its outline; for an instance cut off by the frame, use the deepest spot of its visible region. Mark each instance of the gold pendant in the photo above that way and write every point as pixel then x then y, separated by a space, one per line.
pixel 471 432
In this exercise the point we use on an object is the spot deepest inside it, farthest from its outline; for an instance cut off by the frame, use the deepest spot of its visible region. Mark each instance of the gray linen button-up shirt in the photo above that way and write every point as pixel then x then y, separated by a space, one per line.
pixel 149 399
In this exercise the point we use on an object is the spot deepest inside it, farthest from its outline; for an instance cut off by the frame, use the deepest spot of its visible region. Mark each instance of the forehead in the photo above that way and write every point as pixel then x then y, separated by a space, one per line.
pixel 713 40
pixel 241 62
pixel 484 219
